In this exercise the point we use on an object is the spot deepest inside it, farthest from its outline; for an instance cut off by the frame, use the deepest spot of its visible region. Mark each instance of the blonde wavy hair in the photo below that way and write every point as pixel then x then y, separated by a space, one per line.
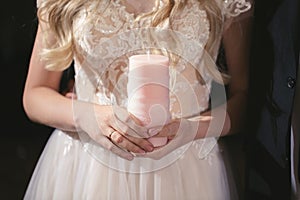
pixel 58 16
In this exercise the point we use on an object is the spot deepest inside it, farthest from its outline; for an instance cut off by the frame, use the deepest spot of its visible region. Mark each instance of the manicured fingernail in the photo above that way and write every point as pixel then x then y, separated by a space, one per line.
pixel 142 151
pixel 153 131
pixel 150 148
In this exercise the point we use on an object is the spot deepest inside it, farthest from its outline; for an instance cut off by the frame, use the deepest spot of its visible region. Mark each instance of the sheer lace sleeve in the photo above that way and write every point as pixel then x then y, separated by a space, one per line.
pixel 233 8
pixel 236 10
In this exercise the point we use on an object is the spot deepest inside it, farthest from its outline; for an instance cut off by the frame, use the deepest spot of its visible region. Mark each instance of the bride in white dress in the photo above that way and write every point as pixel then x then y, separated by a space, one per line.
pixel 97 150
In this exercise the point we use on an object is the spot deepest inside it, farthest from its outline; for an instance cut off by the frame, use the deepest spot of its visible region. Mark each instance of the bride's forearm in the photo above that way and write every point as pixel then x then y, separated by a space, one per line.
pixel 212 123
pixel 236 109
pixel 223 120
pixel 46 106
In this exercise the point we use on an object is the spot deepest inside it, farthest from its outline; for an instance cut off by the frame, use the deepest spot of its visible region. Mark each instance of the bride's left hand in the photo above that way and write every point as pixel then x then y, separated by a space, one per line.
pixel 179 132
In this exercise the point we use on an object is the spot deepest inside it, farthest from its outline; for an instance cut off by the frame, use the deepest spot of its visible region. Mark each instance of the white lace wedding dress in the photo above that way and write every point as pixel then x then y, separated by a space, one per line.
pixel 72 166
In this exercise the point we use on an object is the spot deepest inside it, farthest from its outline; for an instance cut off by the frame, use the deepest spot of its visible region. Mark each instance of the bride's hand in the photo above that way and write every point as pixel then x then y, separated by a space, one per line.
pixel 112 128
pixel 179 132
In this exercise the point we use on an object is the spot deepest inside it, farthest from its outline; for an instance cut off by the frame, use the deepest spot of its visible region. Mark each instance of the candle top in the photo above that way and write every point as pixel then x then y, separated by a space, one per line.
pixel 149 58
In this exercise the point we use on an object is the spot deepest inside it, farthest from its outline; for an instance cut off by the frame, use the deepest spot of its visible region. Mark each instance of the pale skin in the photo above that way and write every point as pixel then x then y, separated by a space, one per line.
pixel 44 104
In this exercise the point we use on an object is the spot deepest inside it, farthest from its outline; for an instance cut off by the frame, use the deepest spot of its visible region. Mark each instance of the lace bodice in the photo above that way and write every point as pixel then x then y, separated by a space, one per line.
pixel 106 38
pixel 103 47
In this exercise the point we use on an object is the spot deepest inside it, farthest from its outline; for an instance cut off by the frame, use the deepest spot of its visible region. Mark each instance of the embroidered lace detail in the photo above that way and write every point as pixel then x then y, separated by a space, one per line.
pixel 204 146
pixel 91 43
pixel 193 23
pixel 234 8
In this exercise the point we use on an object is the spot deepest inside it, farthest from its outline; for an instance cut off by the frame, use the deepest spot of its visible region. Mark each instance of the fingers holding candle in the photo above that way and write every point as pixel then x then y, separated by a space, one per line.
pixel 124 143
pixel 165 133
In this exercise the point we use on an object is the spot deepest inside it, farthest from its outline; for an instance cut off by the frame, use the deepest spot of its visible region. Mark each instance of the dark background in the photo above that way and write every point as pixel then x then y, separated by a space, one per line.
pixel 22 141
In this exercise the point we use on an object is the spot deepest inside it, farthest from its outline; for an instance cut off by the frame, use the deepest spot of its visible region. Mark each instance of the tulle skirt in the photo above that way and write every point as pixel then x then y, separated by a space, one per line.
pixel 66 170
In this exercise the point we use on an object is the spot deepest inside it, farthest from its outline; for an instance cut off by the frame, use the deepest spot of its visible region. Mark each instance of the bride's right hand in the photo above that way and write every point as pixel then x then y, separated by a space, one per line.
pixel 112 128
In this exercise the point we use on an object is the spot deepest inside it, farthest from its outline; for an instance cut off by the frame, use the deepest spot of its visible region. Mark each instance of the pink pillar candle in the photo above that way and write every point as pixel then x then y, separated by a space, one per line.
pixel 148 92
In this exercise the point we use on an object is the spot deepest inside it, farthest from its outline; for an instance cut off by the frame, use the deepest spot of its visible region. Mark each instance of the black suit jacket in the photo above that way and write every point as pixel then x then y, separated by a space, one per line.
pixel 274 61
